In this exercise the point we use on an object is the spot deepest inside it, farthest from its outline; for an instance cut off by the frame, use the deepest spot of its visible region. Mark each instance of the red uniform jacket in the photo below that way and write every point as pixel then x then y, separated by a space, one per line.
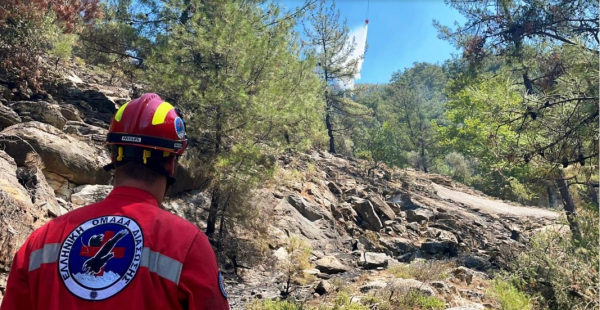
pixel 121 253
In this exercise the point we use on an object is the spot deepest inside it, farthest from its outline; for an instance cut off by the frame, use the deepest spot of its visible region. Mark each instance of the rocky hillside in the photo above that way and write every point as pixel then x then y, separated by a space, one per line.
pixel 391 231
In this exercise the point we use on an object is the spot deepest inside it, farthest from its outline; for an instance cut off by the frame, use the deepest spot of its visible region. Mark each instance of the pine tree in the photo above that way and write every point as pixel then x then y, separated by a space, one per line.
pixel 335 64
pixel 247 92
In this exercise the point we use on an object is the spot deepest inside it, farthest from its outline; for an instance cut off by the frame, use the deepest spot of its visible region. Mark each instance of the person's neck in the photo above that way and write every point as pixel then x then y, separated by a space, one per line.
pixel 156 189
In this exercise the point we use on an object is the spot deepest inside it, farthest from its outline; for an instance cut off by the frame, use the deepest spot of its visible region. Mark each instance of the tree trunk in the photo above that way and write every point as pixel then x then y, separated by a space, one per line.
pixel 423 157
pixel 552 199
pixel 568 204
pixel 216 192
pixel 593 194
pixel 330 133
pixel 212 213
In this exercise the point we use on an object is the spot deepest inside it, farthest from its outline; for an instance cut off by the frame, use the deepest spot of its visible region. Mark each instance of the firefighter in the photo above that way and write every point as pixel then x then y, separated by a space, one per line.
pixel 124 252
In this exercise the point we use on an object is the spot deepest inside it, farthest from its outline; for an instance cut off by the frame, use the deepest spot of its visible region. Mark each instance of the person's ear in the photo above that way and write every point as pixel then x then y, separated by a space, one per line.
pixel 171 165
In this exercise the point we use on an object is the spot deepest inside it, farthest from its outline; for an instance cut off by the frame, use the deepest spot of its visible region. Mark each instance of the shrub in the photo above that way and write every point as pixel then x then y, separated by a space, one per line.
pixel 416 300
pixel 297 260
pixel 508 296
pixel 25 28
pixel 422 270
pixel 561 270
pixel 458 167
pixel 275 305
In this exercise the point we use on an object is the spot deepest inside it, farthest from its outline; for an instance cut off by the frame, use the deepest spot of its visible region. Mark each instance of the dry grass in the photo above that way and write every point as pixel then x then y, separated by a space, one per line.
pixel 431 270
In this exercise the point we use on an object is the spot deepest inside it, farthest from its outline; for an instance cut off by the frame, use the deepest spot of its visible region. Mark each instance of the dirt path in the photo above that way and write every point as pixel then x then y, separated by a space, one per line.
pixel 487 205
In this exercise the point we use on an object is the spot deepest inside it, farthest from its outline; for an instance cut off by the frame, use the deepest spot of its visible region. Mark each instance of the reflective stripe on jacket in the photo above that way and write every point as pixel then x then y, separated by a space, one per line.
pixel 121 253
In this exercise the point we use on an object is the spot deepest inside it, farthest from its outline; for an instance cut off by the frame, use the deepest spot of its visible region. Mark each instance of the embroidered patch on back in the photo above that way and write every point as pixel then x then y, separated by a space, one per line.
pixel 222 285
pixel 100 257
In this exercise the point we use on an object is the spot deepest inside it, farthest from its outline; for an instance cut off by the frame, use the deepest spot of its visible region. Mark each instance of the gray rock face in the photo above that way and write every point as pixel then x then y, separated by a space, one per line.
pixel 365 211
pixel 59 185
pixel 467 275
pixel 330 265
pixel 345 212
pixel 439 234
pixel 398 245
pixel 8 117
pixel 41 111
pixel 324 287
pixel 71 113
pixel 308 210
pixel 373 286
pixel 476 262
pixel 9 184
pixel 382 208
pixel 403 286
pixel 334 188
pixel 42 194
pixel 419 215
pixel 370 260
pixel 439 247
pixel 62 154
pixel 88 194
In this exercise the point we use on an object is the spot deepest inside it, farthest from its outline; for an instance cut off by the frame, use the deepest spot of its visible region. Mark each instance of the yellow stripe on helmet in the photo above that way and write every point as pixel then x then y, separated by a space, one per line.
pixel 119 114
pixel 161 113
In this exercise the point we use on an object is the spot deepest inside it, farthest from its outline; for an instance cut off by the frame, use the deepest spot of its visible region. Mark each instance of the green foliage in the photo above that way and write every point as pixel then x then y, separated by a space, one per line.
pixel 29 27
pixel 416 300
pixel 329 40
pixel 561 270
pixel 458 167
pixel 61 43
pixel 432 270
pixel 298 259
pixel 401 132
pixel 509 298
pixel 275 305
pixel 246 87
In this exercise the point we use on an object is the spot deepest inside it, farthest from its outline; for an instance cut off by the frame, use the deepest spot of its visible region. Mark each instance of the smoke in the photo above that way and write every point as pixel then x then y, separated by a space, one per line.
pixel 359 37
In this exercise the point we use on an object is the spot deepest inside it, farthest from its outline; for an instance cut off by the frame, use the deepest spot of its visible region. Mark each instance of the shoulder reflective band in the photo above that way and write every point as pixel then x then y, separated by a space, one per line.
pixel 117 138
pixel 162 265
pixel 47 254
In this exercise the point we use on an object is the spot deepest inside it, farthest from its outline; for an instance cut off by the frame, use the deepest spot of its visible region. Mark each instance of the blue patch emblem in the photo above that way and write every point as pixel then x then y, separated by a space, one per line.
pixel 222 285
pixel 100 257
pixel 180 128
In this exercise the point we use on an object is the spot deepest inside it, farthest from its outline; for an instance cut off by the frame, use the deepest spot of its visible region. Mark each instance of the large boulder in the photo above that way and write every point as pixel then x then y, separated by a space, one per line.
pixel 41 111
pixel 382 208
pixel 70 112
pixel 324 287
pixel 440 234
pixel 42 194
pixel 370 260
pixel 19 215
pixel 88 194
pixel 10 187
pixel 419 215
pixel 403 286
pixel 398 245
pixel 440 247
pixel 330 265
pixel 307 209
pixel 61 154
pixel 365 211
pixel 60 186
pixel 8 117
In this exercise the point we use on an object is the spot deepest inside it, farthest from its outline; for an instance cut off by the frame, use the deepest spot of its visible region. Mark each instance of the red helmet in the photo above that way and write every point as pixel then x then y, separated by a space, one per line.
pixel 150 123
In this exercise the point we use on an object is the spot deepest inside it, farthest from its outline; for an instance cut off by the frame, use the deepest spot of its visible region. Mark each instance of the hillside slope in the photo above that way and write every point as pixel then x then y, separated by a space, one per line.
pixel 360 228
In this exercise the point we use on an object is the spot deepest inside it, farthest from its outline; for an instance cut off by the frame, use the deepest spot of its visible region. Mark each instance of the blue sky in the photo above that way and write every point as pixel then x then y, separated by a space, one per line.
pixel 400 33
